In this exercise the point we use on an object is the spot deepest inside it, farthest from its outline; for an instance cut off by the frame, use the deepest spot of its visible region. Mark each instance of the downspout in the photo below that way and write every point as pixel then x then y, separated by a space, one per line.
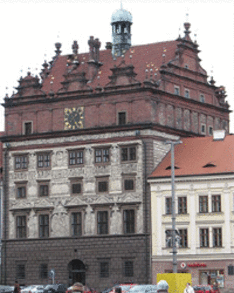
pixel 5 197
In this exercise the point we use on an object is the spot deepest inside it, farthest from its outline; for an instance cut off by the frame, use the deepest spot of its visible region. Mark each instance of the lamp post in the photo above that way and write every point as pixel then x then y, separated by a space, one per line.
pixel 173 216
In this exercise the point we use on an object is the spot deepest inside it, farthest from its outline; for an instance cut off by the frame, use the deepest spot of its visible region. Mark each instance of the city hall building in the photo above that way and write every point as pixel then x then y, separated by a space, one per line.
pixel 79 144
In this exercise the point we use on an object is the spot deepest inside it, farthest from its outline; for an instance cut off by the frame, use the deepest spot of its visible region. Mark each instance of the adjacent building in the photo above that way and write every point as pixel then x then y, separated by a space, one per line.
pixel 204 170
pixel 79 145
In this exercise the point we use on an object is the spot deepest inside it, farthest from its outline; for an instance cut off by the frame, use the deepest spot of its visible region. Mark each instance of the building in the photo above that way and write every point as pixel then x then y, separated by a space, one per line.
pixel 204 206
pixel 79 144
pixel 1 194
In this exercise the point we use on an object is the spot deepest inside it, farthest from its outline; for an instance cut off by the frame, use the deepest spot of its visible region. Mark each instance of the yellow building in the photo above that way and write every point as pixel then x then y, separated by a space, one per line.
pixel 204 206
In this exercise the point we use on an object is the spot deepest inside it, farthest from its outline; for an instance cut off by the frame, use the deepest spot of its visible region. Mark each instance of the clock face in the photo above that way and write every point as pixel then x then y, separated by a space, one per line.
pixel 73 118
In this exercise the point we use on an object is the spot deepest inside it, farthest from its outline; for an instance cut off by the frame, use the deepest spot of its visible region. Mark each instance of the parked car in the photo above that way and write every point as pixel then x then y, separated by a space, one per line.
pixel 206 289
pixel 143 289
pixel 6 289
pixel 33 289
pixel 124 287
pixel 55 288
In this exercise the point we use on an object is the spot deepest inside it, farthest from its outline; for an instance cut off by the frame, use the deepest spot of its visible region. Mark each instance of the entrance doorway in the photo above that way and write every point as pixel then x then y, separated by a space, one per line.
pixel 76 270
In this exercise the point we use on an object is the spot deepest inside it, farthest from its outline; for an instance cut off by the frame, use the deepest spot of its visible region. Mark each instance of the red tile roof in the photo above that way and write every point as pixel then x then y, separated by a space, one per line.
pixel 142 57
pixel 195 153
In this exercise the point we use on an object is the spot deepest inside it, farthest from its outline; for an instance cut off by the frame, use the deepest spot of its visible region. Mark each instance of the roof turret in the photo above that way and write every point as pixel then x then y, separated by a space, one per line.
pixel 121 15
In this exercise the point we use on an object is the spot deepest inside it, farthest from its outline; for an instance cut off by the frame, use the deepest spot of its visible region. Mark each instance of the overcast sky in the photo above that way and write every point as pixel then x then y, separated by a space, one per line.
pixel 29 29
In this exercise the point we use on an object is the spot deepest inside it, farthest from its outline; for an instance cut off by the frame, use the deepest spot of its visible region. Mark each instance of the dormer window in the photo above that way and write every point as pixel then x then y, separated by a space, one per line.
pixel 186 94
pixel 169 167
pixel 209 165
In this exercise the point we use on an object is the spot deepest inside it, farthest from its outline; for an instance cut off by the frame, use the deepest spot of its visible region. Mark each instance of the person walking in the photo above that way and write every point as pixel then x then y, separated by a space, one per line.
pixel 17 287
pixel 188 289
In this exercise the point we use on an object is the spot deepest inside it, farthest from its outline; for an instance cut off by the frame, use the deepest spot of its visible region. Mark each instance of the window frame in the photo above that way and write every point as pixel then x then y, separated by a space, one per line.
pixel 217 237
pixel 79 225
pixel 203 125
pixel 126 268
pixel 73 181
pixel 45 227
pixel 119 118
pixel 168 205
pixel 43 183
pixel 176 90
pixel 128 154
pixel 203 203
pixel 44 154
pixel 183 233
pixel 76 158
pixel 21 230
pixel 202 98
pixel 99 224
pixel 187 93
pixel 100 180
pixel 21 157
pixel 104 269
pixel 216 204
pixel 43 273
pixel 204 237
pixel 210 130
pixel 182 205
pixel 25 125
pixel 129 221
pixel 20 270
pixel 20 185
pixel 102 155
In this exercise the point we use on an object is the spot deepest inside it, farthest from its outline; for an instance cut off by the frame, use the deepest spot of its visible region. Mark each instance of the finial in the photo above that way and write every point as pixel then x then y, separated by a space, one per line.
pixel 58 46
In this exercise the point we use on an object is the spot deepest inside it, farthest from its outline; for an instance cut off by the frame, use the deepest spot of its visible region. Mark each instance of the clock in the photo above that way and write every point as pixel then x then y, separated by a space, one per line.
pixel 73 118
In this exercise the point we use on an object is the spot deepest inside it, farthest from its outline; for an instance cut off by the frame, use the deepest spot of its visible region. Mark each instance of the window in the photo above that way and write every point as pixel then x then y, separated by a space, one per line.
pixel 76 157
pixel 128 153
pixel 210 129
pixel 203 204
pixel 129 221
pixel 43 226
pixel 128 268
pixel 121 118
pixel 176 90
pixel 203 128
pixel 76 224
pixel 204 237
pixel 21 227
pixel 43 271
pixel 20 271
pixel 104 269
pixel 21 162
pixel 169 236
pixel 27 128
pixel 102 222
pixel 102 155
pixel 202 98
pixel 186 94
pixel 168 205
pixel 182 205
pixel 21 190
pixel 76 188
pixel 216 203
pixel 183 238
pixel 230 270
pixel 43 189
pixel 129 184
pixel 217 237
pixel 186 66
pixel 102 185
pixel 43 160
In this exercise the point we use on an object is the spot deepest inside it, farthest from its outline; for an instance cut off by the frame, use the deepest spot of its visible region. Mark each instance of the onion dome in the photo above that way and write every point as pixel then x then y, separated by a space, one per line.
pixel 121 15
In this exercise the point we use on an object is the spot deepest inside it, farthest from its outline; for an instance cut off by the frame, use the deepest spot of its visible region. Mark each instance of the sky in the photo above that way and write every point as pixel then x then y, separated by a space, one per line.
pixel 29 30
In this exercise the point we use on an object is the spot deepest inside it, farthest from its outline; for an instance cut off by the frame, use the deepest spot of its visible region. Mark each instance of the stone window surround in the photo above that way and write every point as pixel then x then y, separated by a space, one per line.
pixel 130 176
pixel 129 207
pixel 24 126
pixel 44 153
pixel 20 155
pixel 43 182
pixel 203 125
pixel 82 222
pixel 104 178
pixel 74 180
pixel 20 184
pixel 21 214
pixel 202 98
pixel 128 146
pixel 210 130
pixel 103 147
pixel 102 209
pixel 187 93
pixel 43 213
pixel 77 164
pixel 176 90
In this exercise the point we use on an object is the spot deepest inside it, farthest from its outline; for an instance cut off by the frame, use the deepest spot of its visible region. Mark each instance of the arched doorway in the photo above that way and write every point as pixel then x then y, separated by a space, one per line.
pixel 76 270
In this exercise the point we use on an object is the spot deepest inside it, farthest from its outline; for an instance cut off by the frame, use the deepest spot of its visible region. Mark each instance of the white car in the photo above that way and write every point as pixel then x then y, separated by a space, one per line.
pixel 33 289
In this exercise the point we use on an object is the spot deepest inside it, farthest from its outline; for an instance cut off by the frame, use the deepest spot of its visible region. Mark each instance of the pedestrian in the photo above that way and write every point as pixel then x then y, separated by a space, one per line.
pixel 17 287
pixel 188 289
